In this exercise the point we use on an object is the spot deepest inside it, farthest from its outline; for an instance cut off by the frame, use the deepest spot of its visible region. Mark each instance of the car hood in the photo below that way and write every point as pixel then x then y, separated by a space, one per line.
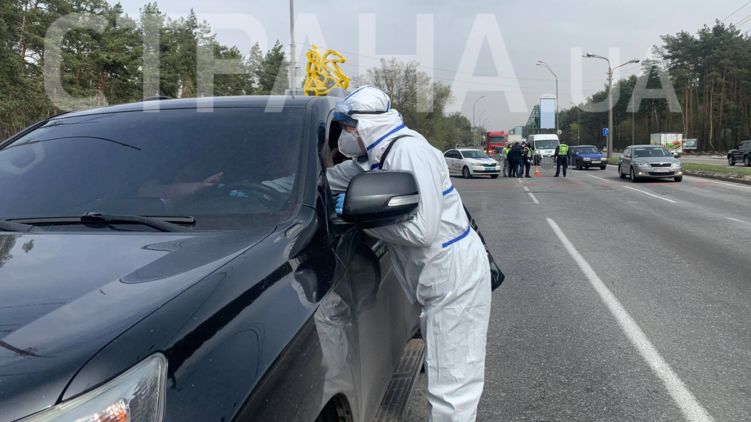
pixel 64 296
pixel 590 154
pixel 481 161
pixel 652 160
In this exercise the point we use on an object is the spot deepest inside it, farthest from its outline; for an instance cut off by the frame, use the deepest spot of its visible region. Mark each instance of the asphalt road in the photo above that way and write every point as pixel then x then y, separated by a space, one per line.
pixel 652 323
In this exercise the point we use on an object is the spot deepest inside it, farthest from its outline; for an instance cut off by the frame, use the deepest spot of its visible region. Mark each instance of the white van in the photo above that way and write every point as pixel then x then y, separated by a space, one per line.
pixel 544 145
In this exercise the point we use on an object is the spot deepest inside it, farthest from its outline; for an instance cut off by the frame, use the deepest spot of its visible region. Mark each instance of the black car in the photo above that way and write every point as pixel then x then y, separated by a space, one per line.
pixel 740 154
pixel 186 264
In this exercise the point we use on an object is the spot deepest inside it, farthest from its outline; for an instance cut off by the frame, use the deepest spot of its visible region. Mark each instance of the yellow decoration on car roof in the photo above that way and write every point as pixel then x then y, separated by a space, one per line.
pixel 323 72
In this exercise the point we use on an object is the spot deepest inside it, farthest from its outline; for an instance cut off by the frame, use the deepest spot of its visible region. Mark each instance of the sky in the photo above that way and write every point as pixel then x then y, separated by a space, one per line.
pixel 485 50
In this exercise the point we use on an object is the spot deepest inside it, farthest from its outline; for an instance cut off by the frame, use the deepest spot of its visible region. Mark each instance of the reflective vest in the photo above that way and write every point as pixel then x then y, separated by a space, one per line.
pixel 530 153
pixel 562 150
pixel 505 151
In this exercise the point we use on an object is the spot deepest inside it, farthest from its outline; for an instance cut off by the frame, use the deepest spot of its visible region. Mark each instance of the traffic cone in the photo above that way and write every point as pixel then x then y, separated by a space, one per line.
pixel 537 171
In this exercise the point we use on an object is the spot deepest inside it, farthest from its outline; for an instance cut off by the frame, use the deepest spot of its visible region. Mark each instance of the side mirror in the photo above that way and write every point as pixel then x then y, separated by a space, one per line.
pixel 381 198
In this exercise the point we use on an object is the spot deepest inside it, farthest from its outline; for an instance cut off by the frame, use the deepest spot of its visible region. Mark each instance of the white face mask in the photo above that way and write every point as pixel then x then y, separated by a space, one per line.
pixel 349 146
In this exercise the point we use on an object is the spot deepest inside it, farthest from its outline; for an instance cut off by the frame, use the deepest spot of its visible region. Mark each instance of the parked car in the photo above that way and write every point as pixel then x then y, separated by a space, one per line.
pixel 741 154
pixel 469 163
pixel 586 156
pixel 649 162
pixel 183 265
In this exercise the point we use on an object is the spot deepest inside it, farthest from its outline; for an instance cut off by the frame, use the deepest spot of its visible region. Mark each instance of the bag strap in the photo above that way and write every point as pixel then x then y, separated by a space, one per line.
pixel 388 148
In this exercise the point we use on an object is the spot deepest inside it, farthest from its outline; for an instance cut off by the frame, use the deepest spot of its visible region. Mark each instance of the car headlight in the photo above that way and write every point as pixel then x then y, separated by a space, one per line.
pixel 676 165
pixel 587 159
pixel 643 165
pixel 135 396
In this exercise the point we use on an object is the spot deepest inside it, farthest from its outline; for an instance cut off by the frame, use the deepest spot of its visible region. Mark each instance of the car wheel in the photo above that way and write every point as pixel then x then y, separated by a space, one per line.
pixel 493 176
pixel 678 178
pixel 746 161
pixel 620 173
pixel 731 161
pixel 466 174
pixel 603 167
pixel 632 174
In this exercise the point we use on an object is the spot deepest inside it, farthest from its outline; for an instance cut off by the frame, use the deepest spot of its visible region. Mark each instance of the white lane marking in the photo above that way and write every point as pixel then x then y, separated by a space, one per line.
pixel 714 182
pixel 739 221
pixel 691 408
pixel 598 177
pixel 531 195
pixel 520 181
pixel 651 194
pixel 526 189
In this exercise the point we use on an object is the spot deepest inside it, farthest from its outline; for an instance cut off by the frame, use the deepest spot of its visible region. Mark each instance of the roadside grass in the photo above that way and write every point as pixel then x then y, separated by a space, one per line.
pixel 717 169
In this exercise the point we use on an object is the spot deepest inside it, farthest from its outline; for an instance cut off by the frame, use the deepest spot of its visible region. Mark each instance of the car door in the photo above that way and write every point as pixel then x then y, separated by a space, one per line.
pixel 625 161
pixel 450 161
pixel 744 150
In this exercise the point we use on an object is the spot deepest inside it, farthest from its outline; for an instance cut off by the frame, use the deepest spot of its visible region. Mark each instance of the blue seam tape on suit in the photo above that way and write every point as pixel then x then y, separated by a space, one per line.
pixel 448 191
pixel 381 139
pixel 456 239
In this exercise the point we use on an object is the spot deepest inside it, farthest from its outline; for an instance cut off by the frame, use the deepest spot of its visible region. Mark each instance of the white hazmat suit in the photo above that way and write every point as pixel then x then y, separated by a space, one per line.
pixel 439 260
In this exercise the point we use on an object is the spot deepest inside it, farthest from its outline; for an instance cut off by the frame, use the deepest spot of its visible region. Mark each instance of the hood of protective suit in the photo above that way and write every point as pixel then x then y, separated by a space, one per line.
pixel 377 131
pixel 379 123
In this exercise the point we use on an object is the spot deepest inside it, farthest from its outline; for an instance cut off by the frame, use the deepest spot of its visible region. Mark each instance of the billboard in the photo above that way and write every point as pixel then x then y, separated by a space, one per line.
pixel 690 144
pixel 547 113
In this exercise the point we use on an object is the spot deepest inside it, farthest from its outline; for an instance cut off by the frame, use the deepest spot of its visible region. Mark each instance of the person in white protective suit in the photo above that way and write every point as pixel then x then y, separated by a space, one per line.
pixel 438 258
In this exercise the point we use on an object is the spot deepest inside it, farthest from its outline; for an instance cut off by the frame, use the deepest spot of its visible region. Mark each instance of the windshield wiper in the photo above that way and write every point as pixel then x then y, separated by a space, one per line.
pixel 10 226
pixel 164 224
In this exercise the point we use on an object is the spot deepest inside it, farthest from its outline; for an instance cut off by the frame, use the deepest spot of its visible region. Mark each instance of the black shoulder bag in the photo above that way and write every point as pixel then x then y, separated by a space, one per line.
pixel 496 275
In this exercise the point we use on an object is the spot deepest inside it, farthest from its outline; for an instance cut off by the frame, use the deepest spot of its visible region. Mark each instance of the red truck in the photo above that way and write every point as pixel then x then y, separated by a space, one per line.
pixel 495 141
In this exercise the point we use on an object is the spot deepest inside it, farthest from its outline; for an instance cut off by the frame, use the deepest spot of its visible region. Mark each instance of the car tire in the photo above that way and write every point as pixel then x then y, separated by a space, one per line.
pixel 746 161
pixel 620 173
pixel 678 178
pixel 632 175
pixel 731 161
pixel 465 173
pixel 493 176
pixel 603 167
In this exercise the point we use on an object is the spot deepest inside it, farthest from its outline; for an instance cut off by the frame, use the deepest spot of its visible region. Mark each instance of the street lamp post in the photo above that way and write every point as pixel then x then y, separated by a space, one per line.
pixel 542 63
pixel 292 70
pixel 610 95
pixel 474 125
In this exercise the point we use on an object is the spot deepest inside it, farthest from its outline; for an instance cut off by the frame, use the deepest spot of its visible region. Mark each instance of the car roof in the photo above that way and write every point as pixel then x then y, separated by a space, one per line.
pixel 468 149
pixel 274 101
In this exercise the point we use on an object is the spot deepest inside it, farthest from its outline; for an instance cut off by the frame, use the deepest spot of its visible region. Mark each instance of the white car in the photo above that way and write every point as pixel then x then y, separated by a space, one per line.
pixel 470 163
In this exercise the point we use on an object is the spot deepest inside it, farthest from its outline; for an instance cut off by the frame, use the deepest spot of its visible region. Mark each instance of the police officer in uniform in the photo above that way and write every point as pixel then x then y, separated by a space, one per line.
pixel 561 159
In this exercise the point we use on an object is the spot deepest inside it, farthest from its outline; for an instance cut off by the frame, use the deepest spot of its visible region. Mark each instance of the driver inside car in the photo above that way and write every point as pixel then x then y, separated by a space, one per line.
pixel 180 189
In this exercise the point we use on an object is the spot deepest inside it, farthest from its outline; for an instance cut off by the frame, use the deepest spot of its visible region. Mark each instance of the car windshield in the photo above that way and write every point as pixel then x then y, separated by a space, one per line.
pixel 651 152
pixel 474 154
pixel 587 150
pixel 224 168
pixel 546 144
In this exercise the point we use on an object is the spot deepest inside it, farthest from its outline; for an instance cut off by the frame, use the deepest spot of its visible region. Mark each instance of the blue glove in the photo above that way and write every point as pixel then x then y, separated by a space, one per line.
pixel 340 204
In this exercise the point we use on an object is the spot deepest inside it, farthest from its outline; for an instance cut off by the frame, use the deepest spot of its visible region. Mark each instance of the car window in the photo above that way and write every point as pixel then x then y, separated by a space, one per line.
pixel 474 154
pixel 217 167
pixel 651 152
pixel 546 144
